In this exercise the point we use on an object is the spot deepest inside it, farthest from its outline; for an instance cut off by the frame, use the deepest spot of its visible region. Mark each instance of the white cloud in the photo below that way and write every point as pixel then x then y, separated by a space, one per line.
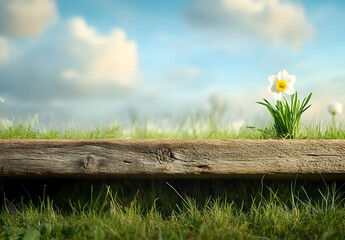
pixel 4 51
pixel 270 21
pixel 101 59
pixel 26 18
pixel 78 63
pixel 247 7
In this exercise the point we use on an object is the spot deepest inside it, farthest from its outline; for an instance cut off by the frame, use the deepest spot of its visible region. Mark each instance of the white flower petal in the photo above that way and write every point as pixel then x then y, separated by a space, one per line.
pixel 289 91
pixel 273 88
pixel 273 78
pixel 283 75
pixel 291 80
pixel 278 96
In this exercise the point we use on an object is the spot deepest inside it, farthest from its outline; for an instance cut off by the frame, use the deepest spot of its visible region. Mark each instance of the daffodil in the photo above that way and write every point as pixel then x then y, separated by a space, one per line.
pixel 286 115
pixel 335 108
pixel 282 83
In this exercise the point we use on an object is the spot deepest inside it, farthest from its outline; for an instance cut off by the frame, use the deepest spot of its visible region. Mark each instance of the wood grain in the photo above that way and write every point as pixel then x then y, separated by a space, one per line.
pixel 171 158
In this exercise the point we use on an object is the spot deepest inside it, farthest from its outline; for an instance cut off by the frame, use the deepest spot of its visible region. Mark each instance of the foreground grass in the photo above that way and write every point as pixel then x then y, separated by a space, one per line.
pixel 245 209
pixel 206 128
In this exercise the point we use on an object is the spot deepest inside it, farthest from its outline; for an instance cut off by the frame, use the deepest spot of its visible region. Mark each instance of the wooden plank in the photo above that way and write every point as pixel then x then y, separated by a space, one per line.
pixel 171 158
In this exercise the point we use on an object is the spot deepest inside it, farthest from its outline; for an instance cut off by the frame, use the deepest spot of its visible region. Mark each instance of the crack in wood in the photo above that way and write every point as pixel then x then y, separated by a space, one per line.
pixel 322 155
pixel 203 166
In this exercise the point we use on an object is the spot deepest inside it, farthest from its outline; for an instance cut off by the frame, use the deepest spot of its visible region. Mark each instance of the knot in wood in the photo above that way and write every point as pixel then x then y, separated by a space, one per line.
pixel 90 163
pixel 163 155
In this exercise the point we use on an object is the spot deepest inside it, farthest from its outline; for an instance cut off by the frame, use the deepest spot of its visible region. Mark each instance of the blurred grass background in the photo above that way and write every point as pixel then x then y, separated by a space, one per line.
pixel 213 125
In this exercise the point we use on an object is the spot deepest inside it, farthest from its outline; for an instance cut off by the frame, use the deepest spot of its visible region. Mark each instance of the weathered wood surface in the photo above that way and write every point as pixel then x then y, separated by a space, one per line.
pixel 171 158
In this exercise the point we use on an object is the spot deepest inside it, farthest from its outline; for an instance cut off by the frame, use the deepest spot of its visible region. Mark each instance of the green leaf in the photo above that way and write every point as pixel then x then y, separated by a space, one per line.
pixel 32 234
pixel 287 115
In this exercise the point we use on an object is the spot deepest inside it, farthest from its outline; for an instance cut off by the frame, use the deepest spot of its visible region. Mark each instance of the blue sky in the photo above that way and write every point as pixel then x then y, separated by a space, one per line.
pixel 93 61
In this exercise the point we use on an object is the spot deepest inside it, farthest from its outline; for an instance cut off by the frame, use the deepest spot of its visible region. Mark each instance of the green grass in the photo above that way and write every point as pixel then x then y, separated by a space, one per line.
pixel 287 115
pixel 213 209
pixel 188 128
